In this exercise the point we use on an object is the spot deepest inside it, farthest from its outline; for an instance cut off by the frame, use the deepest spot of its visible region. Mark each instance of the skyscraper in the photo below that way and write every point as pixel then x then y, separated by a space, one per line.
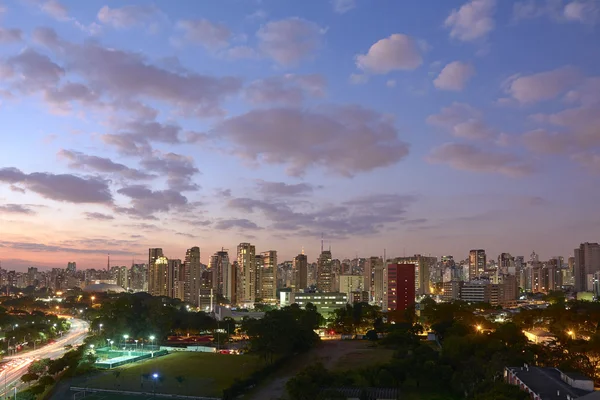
pixel 400 294
pixel 221 269
pixel 153 255
pixel 300 272
pixel 193 275
pixel 258 269
pixel 477 263
pixel 268 277
pixel 324 272
pixel 246 274
pixel 158 281
pixel 369 274
pixel 423 266
pixel 71 267
pixel 176 280
pixel 587 262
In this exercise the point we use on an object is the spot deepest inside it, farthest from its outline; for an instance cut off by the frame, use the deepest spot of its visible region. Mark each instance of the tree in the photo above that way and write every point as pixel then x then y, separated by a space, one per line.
pixel 29 377
pixel 307 384
pixel 46 380
pixel 372 335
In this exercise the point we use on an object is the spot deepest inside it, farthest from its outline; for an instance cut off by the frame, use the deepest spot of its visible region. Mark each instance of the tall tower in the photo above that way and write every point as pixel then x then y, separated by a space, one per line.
pixel 159 277
pixel 587 263
pixel 477 263
pixel 324 272
pixel 268 277
pixel 193 275
pixel 300 272
pixel 221 270
pixel 246 274
pixel 153 255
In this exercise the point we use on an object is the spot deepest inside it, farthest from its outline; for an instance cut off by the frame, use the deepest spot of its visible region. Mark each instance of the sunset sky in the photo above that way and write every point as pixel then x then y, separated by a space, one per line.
pixel 416 126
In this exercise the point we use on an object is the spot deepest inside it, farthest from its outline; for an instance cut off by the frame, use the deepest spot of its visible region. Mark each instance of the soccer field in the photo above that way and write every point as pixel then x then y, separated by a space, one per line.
pixel 185 373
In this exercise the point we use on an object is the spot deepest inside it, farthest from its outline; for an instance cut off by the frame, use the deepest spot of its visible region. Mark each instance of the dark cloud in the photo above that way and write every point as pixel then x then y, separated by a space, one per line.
pixel 359 216
pixel 16 209
pixel 283 189
pixel 224 193
pixel 346 140
pixel 145 201
pixel 43 248
pixel 236 223
pixel 471 158
pixel 178 170
pixel 32 71
pixel 61 187
pixel 124 75
pixel 98 216
pixel 187 235
pixel 83 161
pixel 285 90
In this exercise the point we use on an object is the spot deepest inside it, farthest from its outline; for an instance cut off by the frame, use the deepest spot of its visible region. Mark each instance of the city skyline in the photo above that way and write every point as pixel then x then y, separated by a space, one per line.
pixel 429 130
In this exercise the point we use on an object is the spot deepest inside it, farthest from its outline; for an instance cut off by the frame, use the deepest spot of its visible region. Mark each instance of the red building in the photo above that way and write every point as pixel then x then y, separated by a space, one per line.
pixel 400 286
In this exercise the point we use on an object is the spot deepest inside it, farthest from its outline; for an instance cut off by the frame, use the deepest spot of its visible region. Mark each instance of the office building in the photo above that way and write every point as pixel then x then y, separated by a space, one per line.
pixel 400 286
pixel 176 280
pixel 123 277
pixel 379 285
pixel 351 283
pixel 268 277
pixel 300 269
pixel 246 294
pixel 324 272
pixel 193 275
pixel 326 303
pixel 71 267
pixel 369 273
pixel 587 262
pixel 477 263
pixel 222 277
pixel 423 266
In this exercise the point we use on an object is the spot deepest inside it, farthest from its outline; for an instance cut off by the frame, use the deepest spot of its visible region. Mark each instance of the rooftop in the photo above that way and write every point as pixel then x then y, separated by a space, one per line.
pixel 373 393
pixel 539 332
pixel 546 382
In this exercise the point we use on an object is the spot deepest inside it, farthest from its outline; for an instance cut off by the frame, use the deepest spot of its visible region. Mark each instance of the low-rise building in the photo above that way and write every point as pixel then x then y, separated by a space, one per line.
pixel 326 303
pixel 539 336
pixel 549 383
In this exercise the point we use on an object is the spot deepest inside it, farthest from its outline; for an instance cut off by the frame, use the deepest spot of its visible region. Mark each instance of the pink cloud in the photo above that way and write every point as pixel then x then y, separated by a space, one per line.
pixel 396 52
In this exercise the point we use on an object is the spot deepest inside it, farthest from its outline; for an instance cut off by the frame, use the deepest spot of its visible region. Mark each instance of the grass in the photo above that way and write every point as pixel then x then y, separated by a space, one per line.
pixel 204 374
pixel 362 354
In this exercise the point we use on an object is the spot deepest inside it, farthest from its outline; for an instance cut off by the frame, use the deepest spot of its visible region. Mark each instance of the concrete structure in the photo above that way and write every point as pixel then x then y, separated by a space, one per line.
pixel 351 283
pixel 586 262
pixel 193 275
pixel 268 277
pixel 158 277
pixel 451 290
pixel 477 263
pixel 324 272
pixel 103 288
pixel 400 287
pixel 476 291
pixel 300 268
pixel 221 269
pixel 326 302
pixel 549 383
pixel 423 267
pixel 539 336
pixel 246 294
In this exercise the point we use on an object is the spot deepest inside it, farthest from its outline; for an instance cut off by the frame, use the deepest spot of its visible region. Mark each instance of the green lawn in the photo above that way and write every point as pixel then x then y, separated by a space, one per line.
pixel 204 374
pixel 363 354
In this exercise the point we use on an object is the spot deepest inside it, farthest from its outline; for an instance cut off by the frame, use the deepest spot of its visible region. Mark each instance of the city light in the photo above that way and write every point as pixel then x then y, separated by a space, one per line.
pixel 155 375
pixel 478 328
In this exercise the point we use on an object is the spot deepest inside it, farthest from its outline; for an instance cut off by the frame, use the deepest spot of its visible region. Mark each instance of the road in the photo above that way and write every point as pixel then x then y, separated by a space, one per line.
pixel 14 367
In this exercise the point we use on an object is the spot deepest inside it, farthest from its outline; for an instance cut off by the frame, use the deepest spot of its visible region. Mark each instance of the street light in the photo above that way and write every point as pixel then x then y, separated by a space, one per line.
pixel 125 337
pixel 152 351
pixel 155 377
pixel 478 328
pixel 136 344
pixel 111 344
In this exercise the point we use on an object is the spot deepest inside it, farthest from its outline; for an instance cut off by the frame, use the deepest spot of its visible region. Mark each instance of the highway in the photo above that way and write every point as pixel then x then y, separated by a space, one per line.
pixel 15 366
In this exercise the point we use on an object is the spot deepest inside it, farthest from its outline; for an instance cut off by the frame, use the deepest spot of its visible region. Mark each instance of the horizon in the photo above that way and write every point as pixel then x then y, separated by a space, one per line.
pixel 429 130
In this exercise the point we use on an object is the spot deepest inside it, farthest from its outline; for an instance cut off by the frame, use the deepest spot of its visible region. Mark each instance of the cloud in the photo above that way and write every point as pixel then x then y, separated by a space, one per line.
pixel 96 216
pixel 145 201
pixel 281 189
pixel 55 9
pixel 473 20
pixel 391 83
pixel 83 161
pixel 178 170
pixel 584 11
pixel 240 53
pixel 542 141
pixel 359 79
pixel 542 86
pixel 129 77
pixel 463 121
pixel 127 16
pixel 454 76
pixel 33 71
pixel 16 209
pixel 589 160
pixel 227 224
pixel 330 138
pixel 289 89
pixel 288 41
pixel 470 158
pixel 43 248
pixel 396 52
pixel 10 35
pixel 359 216
pixel 60 187
pixel 202 31
pixel 343 6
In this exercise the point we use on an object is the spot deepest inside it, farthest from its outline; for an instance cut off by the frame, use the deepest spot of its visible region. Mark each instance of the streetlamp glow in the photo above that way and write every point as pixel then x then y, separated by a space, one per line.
pixel 155 375
pixel 478 328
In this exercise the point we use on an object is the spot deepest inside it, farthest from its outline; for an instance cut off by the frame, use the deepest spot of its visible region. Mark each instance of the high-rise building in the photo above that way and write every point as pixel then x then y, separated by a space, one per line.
pixel 587 262
pixel 138 277
pixel 268 277
pixel 158 279
pixel 350 284
pixel 123 277
pixel 477 263
pixel 506 264
pixel 324 272
pixel 193 275
pixel 176 280
pixel 206 291
pixel 369 273
pixel 400 286
pixel 153 255
pixel 300 272
pixel 71 267
pixel 234 273
pixel 258 269
pixel 379 284
pixel 423 266
pixel 221 269
pixel 246 294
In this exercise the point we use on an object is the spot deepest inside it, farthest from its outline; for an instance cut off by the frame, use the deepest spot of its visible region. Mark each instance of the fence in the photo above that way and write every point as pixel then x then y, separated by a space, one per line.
pixel 84 390
pixel 129 357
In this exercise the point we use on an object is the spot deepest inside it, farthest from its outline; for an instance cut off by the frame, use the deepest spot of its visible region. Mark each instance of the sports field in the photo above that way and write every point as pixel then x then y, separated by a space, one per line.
pixel 185 373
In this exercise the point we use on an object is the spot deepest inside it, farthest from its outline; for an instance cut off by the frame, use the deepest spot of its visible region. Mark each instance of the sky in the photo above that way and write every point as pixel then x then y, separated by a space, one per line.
pixel 389 124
